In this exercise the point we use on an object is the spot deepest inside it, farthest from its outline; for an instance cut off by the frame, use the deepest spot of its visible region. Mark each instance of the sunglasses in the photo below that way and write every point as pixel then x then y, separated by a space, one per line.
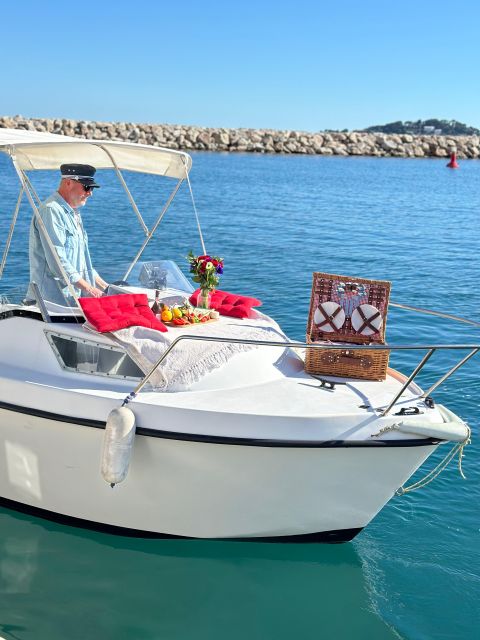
pixel 88 188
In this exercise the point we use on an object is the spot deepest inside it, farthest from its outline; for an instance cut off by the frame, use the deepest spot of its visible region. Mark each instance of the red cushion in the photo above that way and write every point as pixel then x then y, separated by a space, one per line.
pixel 110 313
pixel 229 304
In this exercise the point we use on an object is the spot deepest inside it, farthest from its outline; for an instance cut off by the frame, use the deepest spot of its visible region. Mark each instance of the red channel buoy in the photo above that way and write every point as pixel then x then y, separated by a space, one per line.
pixel 453 164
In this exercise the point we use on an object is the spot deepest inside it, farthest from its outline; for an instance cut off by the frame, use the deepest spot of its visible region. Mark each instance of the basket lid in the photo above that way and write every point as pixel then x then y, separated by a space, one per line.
pixel 348 309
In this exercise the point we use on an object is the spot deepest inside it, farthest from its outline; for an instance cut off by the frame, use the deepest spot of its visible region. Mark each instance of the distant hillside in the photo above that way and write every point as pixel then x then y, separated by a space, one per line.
pixel 443 127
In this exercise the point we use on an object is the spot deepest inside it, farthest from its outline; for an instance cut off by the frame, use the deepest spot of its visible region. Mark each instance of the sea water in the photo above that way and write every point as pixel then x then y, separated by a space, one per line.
pixel 414 572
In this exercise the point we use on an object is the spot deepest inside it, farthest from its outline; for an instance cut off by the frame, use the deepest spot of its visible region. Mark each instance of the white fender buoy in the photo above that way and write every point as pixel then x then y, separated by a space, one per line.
pixel 452 430
pixel 118 445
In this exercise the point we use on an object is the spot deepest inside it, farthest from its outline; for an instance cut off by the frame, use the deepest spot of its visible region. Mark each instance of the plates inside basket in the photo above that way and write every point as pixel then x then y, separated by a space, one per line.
pixel 329 316
pixel 367 320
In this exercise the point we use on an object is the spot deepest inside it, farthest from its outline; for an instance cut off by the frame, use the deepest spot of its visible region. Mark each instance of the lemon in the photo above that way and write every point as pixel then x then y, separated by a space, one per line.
pixel 167 315
pixel 177 312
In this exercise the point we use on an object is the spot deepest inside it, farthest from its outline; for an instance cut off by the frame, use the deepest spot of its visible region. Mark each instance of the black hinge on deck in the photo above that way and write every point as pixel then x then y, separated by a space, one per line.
pixel 408 411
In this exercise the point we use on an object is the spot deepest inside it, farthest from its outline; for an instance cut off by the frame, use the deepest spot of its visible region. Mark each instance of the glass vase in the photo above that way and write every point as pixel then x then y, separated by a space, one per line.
pixel 203 301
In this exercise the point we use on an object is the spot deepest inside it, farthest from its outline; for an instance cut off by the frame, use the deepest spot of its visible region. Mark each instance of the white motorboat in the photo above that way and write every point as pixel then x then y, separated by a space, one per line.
pixel 250 448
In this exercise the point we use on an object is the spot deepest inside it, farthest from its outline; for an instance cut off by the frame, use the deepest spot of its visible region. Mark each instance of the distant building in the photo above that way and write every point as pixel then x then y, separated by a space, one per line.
pixel 428 129
pixel 437 132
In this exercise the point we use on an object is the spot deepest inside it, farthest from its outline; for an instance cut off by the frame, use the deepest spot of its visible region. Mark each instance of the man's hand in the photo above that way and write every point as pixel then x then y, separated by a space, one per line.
pixel 94 292
pixel 89 289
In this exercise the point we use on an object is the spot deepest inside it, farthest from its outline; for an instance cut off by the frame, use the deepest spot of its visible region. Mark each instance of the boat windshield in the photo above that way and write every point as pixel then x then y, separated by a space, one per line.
pixel 160 275
pixel 151 278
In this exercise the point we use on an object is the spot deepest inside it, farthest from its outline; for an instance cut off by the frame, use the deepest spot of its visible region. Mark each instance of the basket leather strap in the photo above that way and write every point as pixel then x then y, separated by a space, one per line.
pixel 367 322
pixel 328 319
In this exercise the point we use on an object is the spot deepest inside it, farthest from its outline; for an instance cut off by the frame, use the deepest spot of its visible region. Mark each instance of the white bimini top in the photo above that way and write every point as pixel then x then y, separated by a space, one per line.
pixel 36 150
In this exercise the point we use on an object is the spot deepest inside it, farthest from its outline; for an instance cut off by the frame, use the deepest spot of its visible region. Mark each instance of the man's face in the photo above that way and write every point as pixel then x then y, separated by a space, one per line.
pixel 77 196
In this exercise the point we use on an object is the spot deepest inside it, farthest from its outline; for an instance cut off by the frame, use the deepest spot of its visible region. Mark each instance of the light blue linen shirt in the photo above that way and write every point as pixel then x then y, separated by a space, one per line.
pixel 70 241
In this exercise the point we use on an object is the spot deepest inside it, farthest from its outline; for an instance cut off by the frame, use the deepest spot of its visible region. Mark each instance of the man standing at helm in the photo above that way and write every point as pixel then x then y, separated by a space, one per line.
pixel 64 226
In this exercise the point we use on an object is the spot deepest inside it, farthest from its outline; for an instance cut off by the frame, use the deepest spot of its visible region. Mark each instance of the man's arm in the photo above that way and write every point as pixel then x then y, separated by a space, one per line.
pixel 100 282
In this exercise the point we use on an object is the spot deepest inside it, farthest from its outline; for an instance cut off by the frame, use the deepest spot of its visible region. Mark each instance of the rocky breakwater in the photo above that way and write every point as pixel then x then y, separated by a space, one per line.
pixel 190 138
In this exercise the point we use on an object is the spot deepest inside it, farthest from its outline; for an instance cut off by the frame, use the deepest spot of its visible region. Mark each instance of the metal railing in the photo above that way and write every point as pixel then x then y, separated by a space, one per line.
pixel 472 348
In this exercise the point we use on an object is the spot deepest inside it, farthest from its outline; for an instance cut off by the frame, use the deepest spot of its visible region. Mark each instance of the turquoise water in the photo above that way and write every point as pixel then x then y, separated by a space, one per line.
pixel 415 571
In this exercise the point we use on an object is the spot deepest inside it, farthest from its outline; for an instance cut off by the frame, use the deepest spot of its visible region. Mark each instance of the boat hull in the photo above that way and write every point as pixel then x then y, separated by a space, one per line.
pixel 187 488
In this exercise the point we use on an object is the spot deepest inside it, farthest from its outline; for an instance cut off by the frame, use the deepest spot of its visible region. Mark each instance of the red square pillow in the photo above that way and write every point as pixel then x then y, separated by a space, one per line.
pixel 110 313
pixel 229 304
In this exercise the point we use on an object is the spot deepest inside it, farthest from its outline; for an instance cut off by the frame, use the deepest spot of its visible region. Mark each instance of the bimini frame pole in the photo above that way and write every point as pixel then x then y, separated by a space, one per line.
pixel 32 188
pixel 43 229
pixel 154 228
pixel 194 208
pixel 127 190
pixel 148 233
pixel 10 233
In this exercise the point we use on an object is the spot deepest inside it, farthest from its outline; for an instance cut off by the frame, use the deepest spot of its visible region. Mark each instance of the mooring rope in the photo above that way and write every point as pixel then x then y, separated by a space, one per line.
pixel 441 466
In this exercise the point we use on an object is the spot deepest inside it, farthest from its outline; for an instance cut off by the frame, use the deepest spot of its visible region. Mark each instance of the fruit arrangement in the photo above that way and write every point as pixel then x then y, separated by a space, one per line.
pixel 185 314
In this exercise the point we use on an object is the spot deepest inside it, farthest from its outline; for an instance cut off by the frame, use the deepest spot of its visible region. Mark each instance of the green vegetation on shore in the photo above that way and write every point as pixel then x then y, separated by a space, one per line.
pixel 418 127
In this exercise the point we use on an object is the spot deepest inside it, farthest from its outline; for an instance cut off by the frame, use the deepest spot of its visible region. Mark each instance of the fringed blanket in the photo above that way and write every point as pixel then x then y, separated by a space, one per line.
pixel 190 360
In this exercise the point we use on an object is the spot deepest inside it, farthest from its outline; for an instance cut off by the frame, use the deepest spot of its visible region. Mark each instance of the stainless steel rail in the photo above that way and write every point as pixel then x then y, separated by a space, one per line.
pixel 449 373
pixel 418 368
pixel 303 345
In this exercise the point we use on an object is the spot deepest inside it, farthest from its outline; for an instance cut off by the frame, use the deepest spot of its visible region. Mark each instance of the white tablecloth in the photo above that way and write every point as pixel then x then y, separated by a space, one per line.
pixel 190 360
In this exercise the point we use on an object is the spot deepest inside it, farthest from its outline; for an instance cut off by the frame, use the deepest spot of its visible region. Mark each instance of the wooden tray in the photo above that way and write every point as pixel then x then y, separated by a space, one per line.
pixel 190 324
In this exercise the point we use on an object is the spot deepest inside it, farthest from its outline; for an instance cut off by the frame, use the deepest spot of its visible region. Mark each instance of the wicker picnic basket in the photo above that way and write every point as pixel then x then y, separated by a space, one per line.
pixel 347 310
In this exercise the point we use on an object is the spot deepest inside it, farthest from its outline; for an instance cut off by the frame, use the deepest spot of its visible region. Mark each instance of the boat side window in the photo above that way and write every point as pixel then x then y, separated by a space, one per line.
pixel 88 356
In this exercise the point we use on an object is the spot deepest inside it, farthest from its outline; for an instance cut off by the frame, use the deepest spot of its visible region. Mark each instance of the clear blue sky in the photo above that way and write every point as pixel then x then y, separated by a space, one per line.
pixel 261 64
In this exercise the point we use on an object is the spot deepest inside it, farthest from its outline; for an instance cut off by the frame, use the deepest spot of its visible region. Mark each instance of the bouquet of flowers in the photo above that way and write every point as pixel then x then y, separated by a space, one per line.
pixel 206 272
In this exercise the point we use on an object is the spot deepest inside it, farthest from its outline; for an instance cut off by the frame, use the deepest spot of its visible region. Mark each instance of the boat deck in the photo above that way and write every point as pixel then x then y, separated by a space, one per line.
pixel 267 384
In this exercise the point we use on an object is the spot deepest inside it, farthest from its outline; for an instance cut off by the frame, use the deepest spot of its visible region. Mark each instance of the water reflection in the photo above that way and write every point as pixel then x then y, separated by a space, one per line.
pixel 61 582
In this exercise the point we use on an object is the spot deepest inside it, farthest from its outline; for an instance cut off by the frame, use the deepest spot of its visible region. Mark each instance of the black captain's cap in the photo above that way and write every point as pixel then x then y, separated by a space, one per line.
pixel 81 172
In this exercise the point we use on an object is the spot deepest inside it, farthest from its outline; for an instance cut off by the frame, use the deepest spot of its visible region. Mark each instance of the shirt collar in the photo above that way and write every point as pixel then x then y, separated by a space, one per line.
pixel 63 203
